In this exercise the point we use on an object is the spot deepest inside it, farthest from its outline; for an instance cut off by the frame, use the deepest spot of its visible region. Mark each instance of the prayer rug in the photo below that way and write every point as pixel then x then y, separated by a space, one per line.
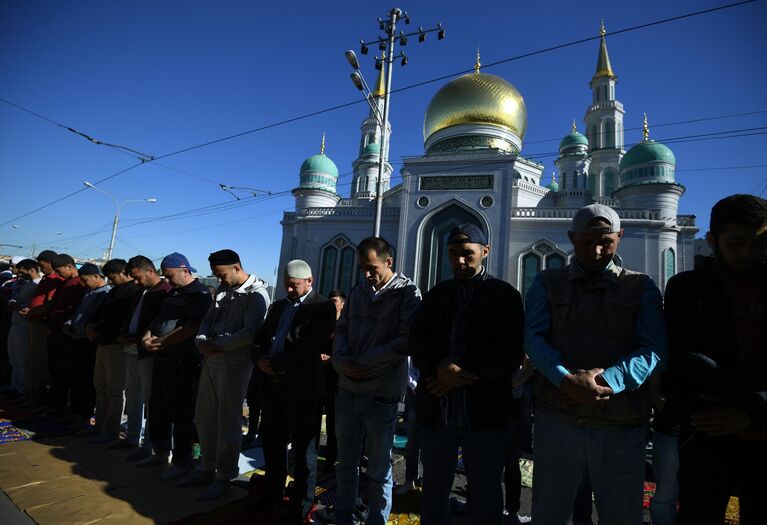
pixel 9 433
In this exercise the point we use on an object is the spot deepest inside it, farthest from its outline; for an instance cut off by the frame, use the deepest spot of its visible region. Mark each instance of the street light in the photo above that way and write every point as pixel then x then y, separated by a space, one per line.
pixel 119 205
pixel 33 234
pixel 385 44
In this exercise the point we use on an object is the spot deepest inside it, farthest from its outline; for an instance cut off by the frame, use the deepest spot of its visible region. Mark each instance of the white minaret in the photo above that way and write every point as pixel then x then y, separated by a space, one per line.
pixel 366 165
pixel 604 126
pixel 573 165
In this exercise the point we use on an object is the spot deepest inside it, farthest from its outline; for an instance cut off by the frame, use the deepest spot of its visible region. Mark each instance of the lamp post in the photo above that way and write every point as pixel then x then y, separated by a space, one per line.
pixel 385 44
pixel 33 234
pixel 119 205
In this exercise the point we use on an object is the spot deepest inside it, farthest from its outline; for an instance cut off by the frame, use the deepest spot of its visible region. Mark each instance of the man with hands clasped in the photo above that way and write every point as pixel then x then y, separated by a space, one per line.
pixel 595 332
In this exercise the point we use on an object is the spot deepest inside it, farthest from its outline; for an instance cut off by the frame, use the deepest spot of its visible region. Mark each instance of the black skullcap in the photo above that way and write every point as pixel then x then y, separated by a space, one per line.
pixel 46 255
pixel 89 269
pixel 224 258
pixel 62 259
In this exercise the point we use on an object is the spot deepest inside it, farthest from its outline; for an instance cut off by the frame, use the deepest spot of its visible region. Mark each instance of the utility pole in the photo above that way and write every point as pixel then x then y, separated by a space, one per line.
pixel 386 44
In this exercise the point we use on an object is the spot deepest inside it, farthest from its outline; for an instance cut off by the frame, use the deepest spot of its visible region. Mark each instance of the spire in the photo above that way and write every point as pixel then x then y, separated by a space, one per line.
pixel 322 146
pixel 645 129
pixel 604 69
pixel 477 63
pixel 554 177
pixel 380 89
pixel 575 129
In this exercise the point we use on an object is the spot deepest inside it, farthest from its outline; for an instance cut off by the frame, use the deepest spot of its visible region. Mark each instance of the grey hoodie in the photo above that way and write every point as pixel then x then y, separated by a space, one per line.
pixel 373 332
pixel 233 319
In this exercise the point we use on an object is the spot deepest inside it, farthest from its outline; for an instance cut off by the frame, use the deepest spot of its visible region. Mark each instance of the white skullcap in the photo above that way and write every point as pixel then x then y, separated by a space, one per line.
pixel 298 269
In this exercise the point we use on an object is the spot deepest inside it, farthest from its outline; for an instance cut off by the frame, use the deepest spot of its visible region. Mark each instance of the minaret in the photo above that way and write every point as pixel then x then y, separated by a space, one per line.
pixel 604 125
pixel 366 166
pixel 318 181
pixel 573 165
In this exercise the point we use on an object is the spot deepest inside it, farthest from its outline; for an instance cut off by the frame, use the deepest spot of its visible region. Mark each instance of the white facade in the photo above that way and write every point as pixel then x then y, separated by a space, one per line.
pixel 483 180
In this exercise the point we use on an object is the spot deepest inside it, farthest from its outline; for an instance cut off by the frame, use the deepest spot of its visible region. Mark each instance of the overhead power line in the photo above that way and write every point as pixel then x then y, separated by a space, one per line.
pixel 348 104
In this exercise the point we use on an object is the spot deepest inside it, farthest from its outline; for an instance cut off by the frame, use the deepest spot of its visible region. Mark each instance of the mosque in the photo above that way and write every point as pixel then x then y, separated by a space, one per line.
pixel 473 170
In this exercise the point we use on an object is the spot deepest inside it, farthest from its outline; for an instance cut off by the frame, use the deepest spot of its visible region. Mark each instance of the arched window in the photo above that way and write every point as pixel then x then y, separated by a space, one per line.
pixel 555 260
pixel 435 265
pixel 346 269
pixel 564 180
pixel 329 257
pixel 669 264
pixel 609 182
pixel 593 137
pixel 531 265
pixel 593 189
pixel 575 180
pixel 609 133
pixel 542 255
pixel 619 134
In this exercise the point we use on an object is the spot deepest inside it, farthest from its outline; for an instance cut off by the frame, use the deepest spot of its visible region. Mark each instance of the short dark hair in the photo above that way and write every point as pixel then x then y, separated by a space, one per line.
pixel 379 245
pixel 47 256
pixel 114 266
pixel 61 260
pixel 139 262
pixel 28 264
pixel 337 293
pixel 747 210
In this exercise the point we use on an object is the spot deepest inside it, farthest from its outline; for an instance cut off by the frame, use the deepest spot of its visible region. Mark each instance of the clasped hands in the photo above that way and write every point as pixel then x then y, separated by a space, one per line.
pixel 586 386
pixel 449 376
pixel 152 343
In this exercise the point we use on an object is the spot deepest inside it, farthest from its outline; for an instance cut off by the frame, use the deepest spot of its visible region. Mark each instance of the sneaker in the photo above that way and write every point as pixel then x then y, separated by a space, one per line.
pixel 155 459
pixel 139 454
pixel 215 490
pixel 512 518
pixel 173 472
pixel 405 488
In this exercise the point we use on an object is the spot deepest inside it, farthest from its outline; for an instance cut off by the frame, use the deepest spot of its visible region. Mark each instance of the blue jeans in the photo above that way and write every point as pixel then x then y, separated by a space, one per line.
pixel 615 461
pixel 363 417
pixel 413 447
pixel 665 465
pixel 483 457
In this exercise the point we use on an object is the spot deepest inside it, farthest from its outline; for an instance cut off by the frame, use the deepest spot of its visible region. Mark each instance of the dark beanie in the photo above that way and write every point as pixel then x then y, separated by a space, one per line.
pixel 46 255
pixel 223 258
pixel 62 259
pixel 89 269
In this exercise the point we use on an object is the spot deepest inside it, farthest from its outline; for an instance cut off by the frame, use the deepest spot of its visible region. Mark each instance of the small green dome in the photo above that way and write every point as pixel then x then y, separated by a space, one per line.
pixel 553 186
pixel 647 151
pixel 320 163
pixel 573 139
pixel 372 149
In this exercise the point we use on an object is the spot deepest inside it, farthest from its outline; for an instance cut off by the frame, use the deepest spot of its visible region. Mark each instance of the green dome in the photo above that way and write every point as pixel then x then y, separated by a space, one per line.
pixel 320 163
pixel 553 186
pixel 648 151
pixel 572 139
pixel 372 149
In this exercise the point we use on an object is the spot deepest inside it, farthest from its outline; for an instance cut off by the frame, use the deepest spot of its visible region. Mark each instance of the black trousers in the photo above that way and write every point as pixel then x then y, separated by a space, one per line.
pixel 61 369
pixel 171 408
pixel 328 407
pixel 83 395
pixel 254 407
pixel 713 469
pixel 284 420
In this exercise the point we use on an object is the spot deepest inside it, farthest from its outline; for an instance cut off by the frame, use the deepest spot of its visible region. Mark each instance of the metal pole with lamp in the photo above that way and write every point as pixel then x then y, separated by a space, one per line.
pixel 119 205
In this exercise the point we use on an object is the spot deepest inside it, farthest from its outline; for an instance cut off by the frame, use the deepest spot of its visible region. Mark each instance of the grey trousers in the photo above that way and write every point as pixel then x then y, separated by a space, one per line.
pixel 138 388
pixel 109 382
pixel 218 415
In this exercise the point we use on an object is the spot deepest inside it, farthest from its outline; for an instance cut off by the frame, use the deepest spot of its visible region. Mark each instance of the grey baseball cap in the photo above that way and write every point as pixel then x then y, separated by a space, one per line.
pixel 585 215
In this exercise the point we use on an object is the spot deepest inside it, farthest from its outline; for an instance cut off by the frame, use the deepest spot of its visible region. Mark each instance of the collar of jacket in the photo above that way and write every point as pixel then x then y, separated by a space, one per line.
pixel 608 277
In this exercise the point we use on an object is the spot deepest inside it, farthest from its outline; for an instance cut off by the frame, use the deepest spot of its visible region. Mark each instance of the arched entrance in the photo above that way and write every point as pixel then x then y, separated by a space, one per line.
pixel 435 265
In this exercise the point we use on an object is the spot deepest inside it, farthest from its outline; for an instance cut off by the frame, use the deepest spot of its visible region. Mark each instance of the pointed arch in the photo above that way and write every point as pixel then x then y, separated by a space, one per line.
pixel 435 228
pixel 541 255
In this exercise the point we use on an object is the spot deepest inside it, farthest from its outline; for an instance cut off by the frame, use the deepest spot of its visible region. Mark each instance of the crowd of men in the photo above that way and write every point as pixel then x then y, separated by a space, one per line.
pixel 602 350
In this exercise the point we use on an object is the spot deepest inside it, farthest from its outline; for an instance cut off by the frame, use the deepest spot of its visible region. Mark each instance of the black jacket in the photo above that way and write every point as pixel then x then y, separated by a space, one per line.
pixel 113 311
pixel 495 335
pixel 703 347
pixel 299 361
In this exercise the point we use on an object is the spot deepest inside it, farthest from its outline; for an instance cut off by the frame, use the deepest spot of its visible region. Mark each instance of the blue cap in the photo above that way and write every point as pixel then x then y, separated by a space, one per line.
pixel 467 233
pixel 89 269
pixel 177 260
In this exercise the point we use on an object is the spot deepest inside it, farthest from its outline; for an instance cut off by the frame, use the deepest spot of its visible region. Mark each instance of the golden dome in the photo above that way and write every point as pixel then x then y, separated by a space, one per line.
pixel 476 98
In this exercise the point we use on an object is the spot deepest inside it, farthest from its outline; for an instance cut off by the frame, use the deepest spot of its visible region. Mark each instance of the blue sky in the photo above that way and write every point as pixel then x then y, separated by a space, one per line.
pixel 162 76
